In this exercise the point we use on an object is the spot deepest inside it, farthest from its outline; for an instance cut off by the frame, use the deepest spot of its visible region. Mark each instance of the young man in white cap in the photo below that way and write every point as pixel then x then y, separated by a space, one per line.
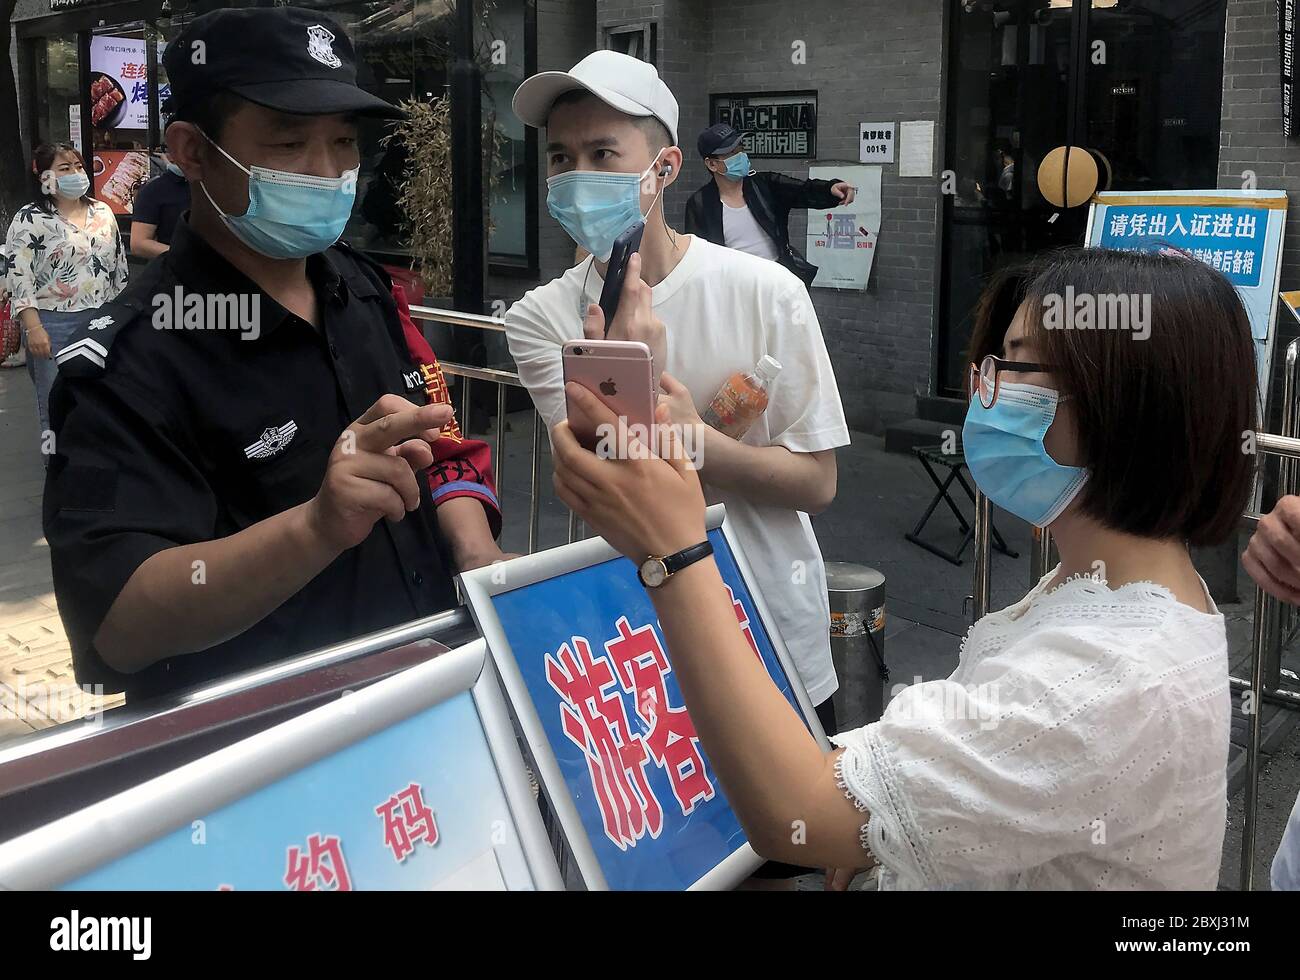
pixel 707 312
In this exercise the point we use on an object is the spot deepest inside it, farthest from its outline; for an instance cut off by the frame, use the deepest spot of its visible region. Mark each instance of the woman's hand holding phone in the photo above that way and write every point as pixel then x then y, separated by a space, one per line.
pixel 648 504
pixel 635 319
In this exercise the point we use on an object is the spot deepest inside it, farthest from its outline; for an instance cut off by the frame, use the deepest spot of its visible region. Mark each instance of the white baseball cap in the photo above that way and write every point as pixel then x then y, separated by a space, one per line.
pixel 627 84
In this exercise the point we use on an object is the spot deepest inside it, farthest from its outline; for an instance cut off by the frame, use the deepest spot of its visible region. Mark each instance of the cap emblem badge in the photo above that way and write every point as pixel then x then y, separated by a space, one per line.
pixel 319 46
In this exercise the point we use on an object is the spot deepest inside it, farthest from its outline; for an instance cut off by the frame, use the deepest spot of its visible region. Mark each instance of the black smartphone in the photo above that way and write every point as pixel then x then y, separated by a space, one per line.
pixel 625 247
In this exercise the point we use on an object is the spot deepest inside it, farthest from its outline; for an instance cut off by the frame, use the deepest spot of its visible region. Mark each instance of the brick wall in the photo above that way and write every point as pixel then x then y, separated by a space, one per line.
pixel 1251 137
pixel 875 60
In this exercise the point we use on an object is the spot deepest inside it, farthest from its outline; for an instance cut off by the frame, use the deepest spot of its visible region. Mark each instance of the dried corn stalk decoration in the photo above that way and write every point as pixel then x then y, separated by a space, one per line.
pixel 425 192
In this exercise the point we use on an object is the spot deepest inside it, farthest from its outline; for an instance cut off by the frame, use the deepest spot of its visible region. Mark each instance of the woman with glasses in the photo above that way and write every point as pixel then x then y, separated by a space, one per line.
pixel 1082 741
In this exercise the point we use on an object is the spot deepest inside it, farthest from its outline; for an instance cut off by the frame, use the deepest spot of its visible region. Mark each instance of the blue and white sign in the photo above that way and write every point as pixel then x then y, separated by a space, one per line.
pixel 412 784
pixel 579 649
pixel 1238 233
pixel 1229 239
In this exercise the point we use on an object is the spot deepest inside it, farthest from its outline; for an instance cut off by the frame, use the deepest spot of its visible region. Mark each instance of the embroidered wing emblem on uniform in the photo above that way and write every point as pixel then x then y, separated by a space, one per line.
pixel 320 46
pixel 274 440
pixel 100 322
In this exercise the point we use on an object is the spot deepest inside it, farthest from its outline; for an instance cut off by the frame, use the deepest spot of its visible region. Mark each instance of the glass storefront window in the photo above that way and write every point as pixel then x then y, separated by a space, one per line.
pixel 1154 105
pixel 402 51
pixel 119 100
pixel 405 49
pixel 508 203
pixel 1148 113
pixel 59 111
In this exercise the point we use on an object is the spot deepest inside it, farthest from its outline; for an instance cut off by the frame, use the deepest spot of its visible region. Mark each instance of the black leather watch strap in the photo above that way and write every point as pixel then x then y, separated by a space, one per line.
pixel 688 556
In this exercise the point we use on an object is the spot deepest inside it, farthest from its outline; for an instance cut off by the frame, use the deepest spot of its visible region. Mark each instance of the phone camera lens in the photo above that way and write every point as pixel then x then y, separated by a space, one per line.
pixel 579 351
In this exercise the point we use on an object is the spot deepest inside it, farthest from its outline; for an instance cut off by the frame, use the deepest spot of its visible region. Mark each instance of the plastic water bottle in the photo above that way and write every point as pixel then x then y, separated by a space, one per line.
pixel 740 401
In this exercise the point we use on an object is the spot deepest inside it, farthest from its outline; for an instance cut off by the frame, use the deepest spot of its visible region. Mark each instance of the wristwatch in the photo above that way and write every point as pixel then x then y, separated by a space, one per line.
pixel 654 572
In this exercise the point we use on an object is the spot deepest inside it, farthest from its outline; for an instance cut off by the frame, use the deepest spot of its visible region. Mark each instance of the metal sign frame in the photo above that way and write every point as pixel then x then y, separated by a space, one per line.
pixel 481 585
pixel 75 845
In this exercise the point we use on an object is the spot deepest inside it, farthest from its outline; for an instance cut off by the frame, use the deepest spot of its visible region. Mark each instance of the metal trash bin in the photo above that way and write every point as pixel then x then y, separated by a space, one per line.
pixel 857 600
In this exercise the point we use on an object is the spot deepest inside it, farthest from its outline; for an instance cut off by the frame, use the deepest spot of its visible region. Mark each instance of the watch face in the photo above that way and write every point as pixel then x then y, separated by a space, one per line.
pixel 653 572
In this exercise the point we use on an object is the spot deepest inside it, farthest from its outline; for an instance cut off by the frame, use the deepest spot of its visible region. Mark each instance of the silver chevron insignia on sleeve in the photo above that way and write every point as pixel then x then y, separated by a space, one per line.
pixel 87 349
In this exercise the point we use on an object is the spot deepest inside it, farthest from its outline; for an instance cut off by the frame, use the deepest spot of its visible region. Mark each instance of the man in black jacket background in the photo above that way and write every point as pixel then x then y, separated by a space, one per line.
pixel 750 211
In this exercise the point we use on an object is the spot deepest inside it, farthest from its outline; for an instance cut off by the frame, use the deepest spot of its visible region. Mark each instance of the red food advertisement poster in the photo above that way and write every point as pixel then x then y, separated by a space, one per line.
pixel 119 174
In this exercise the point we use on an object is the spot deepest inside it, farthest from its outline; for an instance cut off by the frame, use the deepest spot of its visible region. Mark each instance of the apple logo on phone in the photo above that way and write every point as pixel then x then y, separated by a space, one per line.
pixel 608 388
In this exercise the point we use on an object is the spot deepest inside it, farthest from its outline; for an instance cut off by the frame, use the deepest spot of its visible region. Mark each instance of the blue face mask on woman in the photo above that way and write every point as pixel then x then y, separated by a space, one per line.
pixel 595 207
pixel 738 165
pixel 1005 452
pixel 290 216
pixel 74 185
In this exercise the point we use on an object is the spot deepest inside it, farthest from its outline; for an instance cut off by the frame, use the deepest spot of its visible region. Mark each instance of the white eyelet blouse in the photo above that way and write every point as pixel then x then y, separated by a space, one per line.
pixel 1082 743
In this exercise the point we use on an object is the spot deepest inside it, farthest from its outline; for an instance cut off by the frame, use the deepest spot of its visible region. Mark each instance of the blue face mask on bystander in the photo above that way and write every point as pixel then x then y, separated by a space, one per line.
pixel 596 207
pixel 74 185
pixel 738 165
pixel 1005 452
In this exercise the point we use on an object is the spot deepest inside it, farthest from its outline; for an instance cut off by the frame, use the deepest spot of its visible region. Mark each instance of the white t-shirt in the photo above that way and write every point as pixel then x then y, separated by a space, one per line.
pixel 742 232
pixel 1081 743
pixel 1286 863
pixel 724 310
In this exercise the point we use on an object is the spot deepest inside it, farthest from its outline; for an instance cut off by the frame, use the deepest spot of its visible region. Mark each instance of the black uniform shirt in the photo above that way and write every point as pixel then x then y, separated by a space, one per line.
pixel 161 202
pixel 167 437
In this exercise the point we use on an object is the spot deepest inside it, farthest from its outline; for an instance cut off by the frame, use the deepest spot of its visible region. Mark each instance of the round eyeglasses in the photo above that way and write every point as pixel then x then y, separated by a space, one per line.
pixel 985 376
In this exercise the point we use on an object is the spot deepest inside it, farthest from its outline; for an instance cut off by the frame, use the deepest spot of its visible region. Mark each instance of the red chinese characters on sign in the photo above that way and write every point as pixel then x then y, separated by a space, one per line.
pixel 407 819
pixel 595 720
pixel 641 665
pixel 742 618
pixel 320 868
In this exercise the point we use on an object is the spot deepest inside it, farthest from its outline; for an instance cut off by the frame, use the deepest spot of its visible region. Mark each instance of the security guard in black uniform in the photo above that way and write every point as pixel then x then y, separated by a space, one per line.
pixel 237 477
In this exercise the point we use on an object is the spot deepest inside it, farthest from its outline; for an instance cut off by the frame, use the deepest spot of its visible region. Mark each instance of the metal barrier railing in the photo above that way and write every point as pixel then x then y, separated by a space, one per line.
pixel 503 380
pixel 1268 622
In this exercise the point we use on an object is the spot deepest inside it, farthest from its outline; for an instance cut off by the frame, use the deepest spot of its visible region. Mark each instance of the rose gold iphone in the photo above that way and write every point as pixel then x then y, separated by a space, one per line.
pixel 620 374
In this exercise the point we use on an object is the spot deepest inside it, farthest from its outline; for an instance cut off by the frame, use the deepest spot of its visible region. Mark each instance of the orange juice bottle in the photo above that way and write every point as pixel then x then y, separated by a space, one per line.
pixel 740 401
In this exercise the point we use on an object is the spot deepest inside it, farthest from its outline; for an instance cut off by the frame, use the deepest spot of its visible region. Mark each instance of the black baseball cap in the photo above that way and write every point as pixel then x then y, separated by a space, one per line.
pixel 719 140
pixel 284 58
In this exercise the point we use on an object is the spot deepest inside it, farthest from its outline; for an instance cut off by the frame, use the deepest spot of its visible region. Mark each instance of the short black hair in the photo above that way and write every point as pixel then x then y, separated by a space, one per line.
pixel 1165 423
pixel 656 133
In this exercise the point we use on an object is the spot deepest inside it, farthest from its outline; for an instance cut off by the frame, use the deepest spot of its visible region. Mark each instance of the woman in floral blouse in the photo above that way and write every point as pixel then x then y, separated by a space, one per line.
pixel 64 256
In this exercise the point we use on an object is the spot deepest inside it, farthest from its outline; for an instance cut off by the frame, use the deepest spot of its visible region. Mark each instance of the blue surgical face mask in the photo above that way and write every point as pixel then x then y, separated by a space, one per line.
pixel 1005 452
pixel 290 216
pixel 173 169
pixel 595 208
pixel 74 185
pixel 738 165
